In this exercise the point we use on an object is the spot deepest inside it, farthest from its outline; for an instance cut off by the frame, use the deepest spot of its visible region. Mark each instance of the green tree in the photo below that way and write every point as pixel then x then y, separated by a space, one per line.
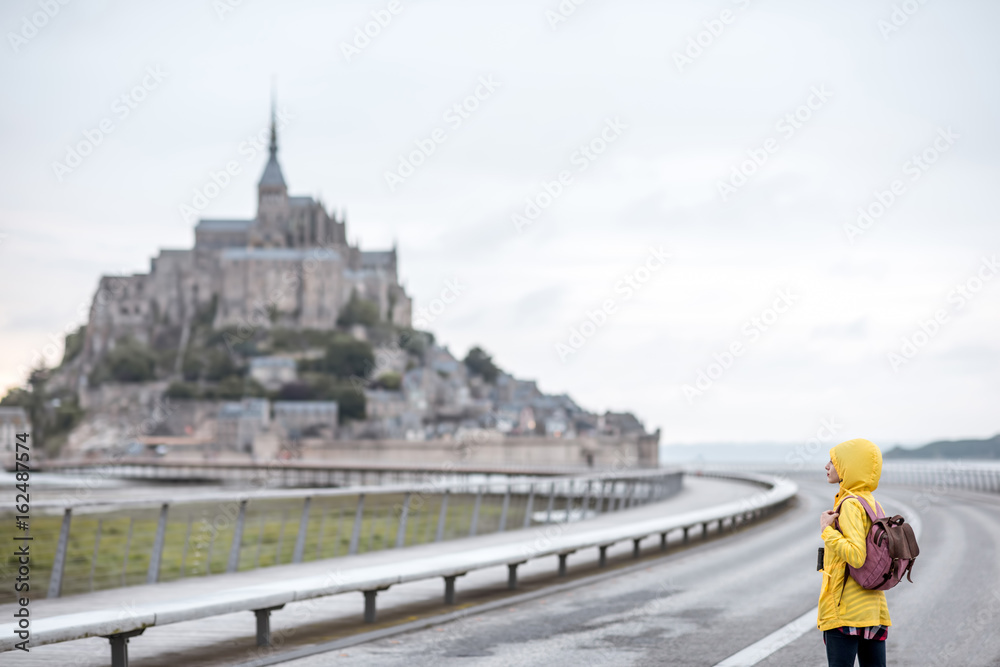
pixel 347 358
pixel 192 367
pixel 32 399
pixel 351 403
pixel 389 381
pixel 358 311
pixel 66 414
pixel 481 364
pixel 129 361
pixel 230 389
pixel 51 416
pixel 218 365
pixel 296 391
pixel 182 390
pixel 416 342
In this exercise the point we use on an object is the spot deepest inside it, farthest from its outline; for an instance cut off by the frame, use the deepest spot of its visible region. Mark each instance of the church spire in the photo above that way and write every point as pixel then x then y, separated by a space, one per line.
pixel 274 124
pixel 272 178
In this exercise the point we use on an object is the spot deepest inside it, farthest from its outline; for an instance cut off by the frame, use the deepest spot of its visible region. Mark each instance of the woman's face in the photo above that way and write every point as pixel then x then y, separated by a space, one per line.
pixel 831 473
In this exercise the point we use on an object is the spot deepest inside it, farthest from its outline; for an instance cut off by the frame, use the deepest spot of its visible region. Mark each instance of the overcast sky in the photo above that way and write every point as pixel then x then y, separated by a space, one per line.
pixel 830 102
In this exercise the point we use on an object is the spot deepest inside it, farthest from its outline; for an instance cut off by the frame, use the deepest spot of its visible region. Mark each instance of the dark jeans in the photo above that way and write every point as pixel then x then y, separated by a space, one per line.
pixel 841 650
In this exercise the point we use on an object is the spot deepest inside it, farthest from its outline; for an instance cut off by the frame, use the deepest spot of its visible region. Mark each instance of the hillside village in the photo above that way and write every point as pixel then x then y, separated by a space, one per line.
pixel 275 337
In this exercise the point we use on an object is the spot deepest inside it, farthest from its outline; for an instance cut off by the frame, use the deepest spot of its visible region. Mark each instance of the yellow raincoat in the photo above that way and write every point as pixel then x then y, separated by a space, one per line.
pixel 859 466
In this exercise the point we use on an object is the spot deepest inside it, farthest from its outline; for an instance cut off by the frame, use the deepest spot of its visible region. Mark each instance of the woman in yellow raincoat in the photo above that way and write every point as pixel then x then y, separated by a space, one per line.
pixel 854 620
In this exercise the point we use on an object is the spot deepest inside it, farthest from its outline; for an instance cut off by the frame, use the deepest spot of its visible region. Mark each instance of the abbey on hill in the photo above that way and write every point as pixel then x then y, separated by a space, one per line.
pixel 289 266
pixel 275 337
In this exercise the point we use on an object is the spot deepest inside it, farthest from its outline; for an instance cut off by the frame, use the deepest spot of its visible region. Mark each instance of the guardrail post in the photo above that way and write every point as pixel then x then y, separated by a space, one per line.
pixel 128 545
pixel 260 541
pixel 403 515
pixel 449 588
pixel 119 646
pixel 359 514
pixel 59 564
pixel 568 506
pixel 600 499
pixel 187 540
pixel 552 500
pixel 93 559
pixel 154 559
pixel 528 506
pixel 234 549
pixel 562 564
pixel 281 539
pixel 442 515
pixel 322 528
pixel 503 510
pixel 704 530
pixel 474 523
pixel 512 575
pixel 602 560
pixel 264 625
pixel 663 541
pixel 622 497
pixel 340 529
pixel 585 505
pixel 686 528
pixel 374 527
pixel 300 540
pixel 636 551
pixel 370 606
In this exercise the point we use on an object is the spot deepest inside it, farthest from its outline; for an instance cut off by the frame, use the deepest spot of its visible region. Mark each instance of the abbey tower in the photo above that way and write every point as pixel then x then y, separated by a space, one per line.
pixel 288 266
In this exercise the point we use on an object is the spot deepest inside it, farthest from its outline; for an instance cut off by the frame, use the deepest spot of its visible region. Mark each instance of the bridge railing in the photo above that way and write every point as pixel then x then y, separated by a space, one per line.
pixel 972 475
pixel 88 545
pixel 291 472
pixel 448 563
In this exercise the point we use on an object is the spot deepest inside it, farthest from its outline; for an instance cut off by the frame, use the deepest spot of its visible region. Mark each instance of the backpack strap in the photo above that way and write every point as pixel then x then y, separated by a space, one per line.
pixel 868 510
pixel 873 515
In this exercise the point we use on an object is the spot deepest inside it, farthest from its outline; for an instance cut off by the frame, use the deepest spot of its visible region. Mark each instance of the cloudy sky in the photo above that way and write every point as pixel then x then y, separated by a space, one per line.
pixel 739 138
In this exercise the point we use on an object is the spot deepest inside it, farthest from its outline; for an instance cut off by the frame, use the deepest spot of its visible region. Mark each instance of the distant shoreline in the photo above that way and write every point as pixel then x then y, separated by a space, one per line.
pixel 983 449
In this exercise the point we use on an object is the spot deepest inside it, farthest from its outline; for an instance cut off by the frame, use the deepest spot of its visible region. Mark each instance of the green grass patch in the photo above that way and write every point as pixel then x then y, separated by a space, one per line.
pixel 113 549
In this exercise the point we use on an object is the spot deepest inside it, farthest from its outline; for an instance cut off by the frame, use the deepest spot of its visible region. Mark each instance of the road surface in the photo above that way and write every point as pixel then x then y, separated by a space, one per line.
pixel 703 604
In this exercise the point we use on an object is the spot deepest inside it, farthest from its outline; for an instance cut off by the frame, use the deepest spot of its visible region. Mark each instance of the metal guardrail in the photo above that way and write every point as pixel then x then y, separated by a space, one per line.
pixel 369 580
pixel 288 472
pixel 983 476
pixel 952 474
pixel 152 540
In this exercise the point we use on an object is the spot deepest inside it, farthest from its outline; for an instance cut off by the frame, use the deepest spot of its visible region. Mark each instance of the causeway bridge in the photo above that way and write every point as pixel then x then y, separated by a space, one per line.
pixel 700 567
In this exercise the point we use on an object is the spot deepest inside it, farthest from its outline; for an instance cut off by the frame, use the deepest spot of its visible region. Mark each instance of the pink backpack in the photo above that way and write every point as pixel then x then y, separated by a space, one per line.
pixel 890 550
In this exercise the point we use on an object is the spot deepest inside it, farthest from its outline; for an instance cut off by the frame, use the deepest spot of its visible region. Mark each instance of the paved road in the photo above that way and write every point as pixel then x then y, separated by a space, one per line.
pixel 701 605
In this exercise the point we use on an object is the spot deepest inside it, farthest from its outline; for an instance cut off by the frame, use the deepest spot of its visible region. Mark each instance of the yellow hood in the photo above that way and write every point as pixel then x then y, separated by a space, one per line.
pixel 859 466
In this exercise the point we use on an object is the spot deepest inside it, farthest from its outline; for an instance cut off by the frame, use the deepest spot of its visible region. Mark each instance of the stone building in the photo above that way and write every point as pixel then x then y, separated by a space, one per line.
pixel 272 372
pixel 239 422
pixel 290 265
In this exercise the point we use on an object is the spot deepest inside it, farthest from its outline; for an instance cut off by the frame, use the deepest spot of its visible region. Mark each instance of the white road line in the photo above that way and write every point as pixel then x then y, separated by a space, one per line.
pixel 778 639
pixel 784 636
